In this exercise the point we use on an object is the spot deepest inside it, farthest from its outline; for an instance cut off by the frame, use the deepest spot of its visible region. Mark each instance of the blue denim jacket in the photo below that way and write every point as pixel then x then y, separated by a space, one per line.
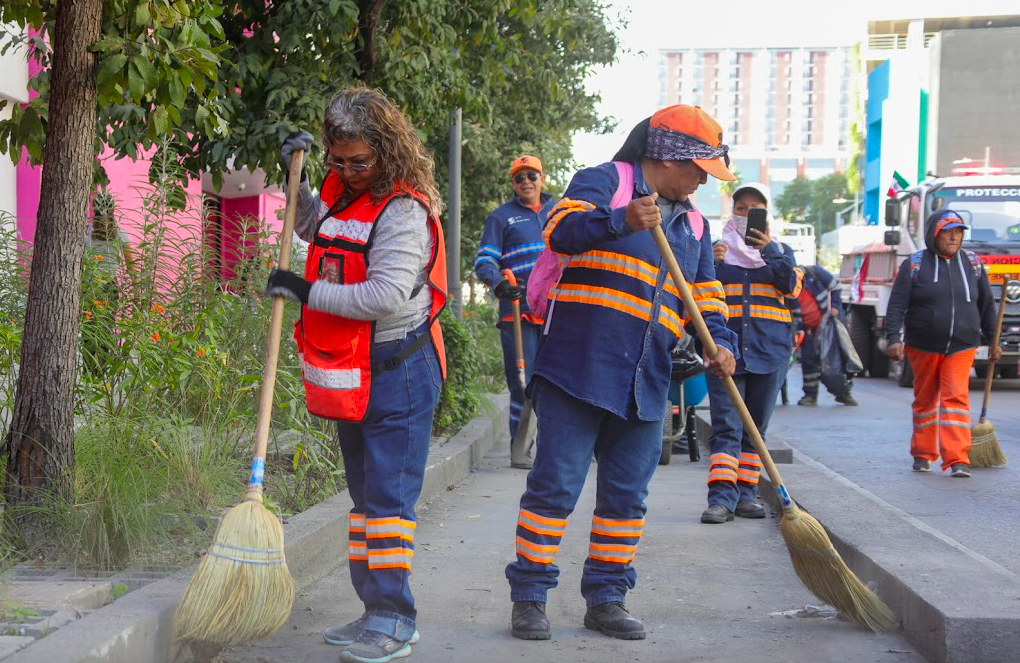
pixel 614 316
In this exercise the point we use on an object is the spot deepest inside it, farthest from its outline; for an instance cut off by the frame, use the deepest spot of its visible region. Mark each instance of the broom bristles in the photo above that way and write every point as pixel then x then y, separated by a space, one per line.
pixel 985 450
pixel 242 590
pixel 824 572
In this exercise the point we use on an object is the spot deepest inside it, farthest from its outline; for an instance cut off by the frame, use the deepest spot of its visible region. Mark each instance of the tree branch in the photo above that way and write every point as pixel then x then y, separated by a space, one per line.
pixel 367 24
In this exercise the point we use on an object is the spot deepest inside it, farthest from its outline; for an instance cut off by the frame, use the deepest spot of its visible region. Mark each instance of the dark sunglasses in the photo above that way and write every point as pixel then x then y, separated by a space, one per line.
pixel 531 175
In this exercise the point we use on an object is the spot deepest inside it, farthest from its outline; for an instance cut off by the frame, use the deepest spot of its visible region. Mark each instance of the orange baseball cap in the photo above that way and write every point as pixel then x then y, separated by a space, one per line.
pixel 526 161
pixel 693 121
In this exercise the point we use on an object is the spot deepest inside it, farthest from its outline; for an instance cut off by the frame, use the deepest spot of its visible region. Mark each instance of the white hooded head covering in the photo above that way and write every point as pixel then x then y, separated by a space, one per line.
pixel 740 254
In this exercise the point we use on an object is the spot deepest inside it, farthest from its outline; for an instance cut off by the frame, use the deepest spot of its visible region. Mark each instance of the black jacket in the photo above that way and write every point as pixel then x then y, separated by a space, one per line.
pixel 946 305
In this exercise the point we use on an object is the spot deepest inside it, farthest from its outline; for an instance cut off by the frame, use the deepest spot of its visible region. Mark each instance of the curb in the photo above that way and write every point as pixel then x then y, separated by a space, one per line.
pixel 955 605
pixel 139 626
pixel 703 429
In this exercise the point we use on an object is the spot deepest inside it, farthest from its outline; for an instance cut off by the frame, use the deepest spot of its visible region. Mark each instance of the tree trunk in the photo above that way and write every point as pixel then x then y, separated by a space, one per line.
pixel 39 444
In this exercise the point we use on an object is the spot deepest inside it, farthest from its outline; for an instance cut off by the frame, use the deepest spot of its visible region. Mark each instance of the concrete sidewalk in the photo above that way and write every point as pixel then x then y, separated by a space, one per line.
pixel 705 593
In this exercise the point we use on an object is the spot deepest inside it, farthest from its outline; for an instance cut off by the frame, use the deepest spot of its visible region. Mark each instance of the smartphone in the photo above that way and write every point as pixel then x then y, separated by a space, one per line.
pixel 757 219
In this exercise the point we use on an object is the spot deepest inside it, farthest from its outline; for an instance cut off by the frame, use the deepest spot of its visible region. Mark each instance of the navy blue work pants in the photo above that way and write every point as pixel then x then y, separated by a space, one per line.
pixel 627 452
pixel 735 465
pixel 384 458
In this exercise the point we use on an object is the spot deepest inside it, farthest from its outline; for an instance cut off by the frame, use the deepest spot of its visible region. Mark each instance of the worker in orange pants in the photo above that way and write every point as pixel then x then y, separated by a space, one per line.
pixel 941 405
pixel 940 310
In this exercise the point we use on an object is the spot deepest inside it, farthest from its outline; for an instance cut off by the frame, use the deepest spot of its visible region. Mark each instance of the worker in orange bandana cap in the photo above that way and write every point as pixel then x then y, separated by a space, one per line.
pixel 603 367
pixel 512 239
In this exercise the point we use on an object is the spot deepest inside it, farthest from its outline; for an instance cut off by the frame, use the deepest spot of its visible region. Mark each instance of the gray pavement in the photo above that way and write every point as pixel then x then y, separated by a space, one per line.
pixel 870 446
pixel 706 593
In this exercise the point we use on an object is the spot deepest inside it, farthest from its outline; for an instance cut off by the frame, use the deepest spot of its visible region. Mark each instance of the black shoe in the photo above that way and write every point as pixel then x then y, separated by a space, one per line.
pixel 528 621
pixel 716 514
pixel 612 619
pixel 749 509
pixel 922 465
pixel 808 400
pixel 847 400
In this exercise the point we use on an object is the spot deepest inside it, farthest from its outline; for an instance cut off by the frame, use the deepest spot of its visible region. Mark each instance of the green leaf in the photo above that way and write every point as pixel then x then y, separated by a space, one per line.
pixel 147 70
pixel 160 121
pixel 112 69
pixel 177 94
pixel 136 84
pixel 142 15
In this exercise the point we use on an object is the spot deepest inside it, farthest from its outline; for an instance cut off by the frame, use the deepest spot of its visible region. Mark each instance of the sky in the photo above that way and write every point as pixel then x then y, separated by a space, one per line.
pixel 630 87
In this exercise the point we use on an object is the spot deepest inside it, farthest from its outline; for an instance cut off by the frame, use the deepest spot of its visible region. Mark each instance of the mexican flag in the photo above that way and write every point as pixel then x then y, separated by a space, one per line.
pixel 899 184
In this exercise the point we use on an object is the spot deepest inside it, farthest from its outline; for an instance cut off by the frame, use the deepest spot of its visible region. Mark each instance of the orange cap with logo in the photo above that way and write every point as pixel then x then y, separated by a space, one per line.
pixel 694 122
pixel 526 161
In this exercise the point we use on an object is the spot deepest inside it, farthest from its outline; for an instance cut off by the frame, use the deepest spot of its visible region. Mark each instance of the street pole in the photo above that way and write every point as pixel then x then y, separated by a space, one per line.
pixel 453 220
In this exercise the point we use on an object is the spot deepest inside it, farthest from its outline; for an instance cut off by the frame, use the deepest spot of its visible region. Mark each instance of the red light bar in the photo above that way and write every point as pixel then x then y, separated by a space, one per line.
pixel 980 170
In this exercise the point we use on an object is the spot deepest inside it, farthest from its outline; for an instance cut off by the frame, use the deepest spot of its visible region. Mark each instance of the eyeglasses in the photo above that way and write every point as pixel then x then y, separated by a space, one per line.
pixel 531 175
pixel 354 168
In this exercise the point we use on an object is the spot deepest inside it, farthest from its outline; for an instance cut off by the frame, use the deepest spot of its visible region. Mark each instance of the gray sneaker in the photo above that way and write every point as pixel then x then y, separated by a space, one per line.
pixel 922 465
pixel 345 635
pixel 374 647
pixel 961 470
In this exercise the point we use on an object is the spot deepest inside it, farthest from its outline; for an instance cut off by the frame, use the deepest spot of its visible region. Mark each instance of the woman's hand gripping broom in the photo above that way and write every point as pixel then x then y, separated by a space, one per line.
pixel 816 562
pixel 243 590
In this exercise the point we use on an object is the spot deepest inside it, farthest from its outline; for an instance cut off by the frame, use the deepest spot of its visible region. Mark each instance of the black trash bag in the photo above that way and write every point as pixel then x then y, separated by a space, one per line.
pixel 839 359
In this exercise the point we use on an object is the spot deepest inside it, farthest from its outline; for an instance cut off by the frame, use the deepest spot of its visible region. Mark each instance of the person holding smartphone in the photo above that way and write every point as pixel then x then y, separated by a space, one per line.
pixel 757 276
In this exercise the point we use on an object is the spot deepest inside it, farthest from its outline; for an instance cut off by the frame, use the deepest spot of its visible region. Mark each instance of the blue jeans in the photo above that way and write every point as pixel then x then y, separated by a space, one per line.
pixel 735 466
pixel 384 458
pixel 530 334
pixel 627 451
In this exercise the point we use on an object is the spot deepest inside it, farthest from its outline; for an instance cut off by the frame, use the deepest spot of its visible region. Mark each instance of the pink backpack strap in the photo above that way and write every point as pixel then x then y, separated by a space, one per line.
pixel 697 223
pixel 625 191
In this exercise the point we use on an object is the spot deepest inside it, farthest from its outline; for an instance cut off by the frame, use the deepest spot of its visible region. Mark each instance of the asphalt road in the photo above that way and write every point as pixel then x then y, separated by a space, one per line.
pixel 870 445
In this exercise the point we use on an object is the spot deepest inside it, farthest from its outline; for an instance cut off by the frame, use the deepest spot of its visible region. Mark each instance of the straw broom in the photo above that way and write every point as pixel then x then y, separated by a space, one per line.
pixel 816 562
pixel 985 450
pixel 243 590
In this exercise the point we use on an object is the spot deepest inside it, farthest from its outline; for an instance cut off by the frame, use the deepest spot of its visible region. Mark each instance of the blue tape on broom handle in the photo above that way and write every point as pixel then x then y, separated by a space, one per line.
pixel 785 495
pixel 258 470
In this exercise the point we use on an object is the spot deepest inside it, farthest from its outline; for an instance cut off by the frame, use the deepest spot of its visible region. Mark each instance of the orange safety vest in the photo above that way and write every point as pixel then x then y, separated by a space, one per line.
pixel 336 352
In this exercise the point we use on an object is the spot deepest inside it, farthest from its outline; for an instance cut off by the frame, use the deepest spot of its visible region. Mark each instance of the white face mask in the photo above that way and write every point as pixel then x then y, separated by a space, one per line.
pixel 741 223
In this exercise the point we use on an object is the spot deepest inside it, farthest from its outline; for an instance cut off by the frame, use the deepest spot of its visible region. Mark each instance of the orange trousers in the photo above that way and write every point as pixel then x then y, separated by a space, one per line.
pixel 941 405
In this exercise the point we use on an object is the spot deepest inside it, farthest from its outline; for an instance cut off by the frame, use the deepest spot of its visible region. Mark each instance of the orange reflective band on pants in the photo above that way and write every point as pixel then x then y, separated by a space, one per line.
pixel 941 405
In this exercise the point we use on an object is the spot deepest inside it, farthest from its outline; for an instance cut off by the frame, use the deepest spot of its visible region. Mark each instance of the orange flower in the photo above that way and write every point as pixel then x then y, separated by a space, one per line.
pixel 100 258
pixel 156 308
pixel 155 336
pixel 201 352
pixel 88 315
pixel 99 305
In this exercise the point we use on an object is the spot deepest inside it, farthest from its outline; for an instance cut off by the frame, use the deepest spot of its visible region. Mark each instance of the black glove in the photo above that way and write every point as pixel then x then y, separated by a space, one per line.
pixel 506 291
pixel 296 140
pixel 288 284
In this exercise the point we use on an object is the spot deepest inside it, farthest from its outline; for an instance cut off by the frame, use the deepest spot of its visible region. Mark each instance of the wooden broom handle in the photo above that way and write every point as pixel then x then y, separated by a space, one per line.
pixel 276 319
pixel 691 307
pixel 995 344
pixel 518 332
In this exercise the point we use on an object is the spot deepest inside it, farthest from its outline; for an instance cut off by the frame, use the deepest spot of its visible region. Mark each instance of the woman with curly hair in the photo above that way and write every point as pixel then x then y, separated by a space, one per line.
pixel 374 285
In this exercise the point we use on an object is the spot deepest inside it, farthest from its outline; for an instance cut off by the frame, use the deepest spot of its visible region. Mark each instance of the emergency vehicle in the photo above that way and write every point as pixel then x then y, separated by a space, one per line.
pixel 990 204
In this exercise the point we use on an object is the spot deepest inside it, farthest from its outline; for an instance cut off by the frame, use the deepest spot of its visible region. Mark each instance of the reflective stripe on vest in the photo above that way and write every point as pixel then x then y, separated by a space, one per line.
pixel 336 352
pixel 763 300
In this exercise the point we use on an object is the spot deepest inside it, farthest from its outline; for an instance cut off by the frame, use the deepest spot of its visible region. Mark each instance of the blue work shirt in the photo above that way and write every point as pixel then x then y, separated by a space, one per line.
pixel 758 310
pixel 512 239
pixel 615 315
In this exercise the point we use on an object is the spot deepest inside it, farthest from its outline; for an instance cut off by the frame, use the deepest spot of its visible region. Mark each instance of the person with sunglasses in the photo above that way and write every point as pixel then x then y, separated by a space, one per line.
pixel 371 348
pixel 512 240
pixel 944 301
